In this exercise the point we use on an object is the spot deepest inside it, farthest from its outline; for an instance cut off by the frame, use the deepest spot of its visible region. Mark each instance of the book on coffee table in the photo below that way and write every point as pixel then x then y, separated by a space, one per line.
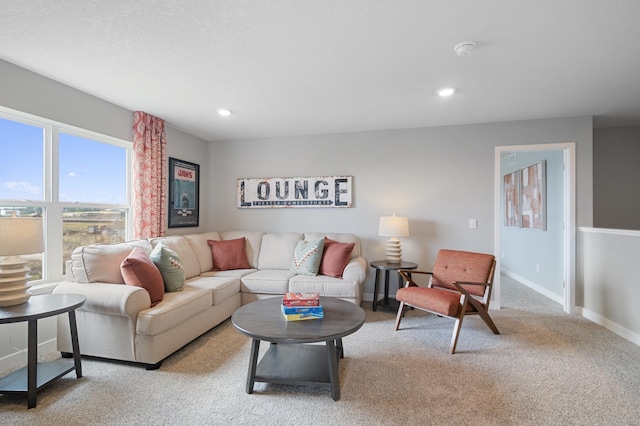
pixel 301 299
pixel 298 313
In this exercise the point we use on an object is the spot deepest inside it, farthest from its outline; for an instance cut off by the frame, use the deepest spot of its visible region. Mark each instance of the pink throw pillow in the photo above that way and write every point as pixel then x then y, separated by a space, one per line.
pixel 335 257
pixel 139 270
pixel 229 254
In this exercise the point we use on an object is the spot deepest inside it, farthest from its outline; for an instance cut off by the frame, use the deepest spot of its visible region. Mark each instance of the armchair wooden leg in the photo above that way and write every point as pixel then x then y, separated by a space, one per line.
pixel 399 316
pixel 456 334
pixel 487 319
pixel 484 314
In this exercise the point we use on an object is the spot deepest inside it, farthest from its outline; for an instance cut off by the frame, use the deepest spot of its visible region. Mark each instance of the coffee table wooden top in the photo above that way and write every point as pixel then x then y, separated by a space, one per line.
pixel 263 320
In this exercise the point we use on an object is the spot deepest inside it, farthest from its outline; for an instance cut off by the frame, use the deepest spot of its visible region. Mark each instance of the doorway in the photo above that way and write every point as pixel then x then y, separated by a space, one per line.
pixel 568 216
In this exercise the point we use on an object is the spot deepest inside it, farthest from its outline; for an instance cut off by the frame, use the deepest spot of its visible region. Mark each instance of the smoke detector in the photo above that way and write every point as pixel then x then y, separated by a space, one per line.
pixel 464 48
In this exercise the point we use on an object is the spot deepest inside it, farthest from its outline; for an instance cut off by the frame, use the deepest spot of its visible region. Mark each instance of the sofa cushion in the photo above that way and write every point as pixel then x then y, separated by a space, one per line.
pixel 267 281
pixel 177 308
pixel 235 273
pixel 306 257
pixel 221 288
pixel 170 267
pixel 180 245
pixel 139 270
pixel 229 254
pixel 254 239
pixel 101 262
pixel 201 248
pixel 277 250
pixel 326 286
pixel 335 257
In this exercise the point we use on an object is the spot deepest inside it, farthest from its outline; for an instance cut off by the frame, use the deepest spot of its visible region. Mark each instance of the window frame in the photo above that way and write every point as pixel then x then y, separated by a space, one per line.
pixel 52 207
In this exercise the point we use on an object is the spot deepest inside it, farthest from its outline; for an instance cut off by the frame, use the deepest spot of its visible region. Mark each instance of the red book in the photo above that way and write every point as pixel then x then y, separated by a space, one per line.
pixel 301 299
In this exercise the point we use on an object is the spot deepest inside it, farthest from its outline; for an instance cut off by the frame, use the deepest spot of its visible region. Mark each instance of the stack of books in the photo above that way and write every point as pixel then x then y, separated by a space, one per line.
pixel 301 306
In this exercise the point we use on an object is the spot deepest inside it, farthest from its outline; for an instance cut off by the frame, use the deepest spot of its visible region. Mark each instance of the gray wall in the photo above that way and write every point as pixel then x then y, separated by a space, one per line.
pixel 34 94
pixel 190 148
pixel 438 177
pixel 616 175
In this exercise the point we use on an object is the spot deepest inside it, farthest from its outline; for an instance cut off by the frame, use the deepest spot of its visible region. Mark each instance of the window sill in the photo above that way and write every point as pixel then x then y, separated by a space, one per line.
pixel 46 288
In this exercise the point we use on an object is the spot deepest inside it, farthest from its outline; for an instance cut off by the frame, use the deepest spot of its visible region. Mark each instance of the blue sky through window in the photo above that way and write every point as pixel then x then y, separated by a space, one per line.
pixel 21 163
pixel 90 171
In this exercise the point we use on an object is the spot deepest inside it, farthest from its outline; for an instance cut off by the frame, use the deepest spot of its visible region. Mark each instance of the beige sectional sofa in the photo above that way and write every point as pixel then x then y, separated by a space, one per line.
pixel 119 322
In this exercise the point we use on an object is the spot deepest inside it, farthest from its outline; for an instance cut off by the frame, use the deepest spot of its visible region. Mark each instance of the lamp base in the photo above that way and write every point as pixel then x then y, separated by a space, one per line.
pixel 393 251
pixel 13 281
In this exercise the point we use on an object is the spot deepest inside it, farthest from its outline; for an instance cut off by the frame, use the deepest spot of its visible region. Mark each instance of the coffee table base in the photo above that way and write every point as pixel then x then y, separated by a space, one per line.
pixel 297 364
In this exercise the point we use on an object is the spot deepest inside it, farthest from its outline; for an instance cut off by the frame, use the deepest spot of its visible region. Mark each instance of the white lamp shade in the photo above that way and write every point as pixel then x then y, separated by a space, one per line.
pixel 18 235
pixel 393 226
pixel 21 235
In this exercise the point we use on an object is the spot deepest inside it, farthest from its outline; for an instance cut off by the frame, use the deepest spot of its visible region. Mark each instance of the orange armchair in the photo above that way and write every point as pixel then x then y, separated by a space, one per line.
pixel 459 285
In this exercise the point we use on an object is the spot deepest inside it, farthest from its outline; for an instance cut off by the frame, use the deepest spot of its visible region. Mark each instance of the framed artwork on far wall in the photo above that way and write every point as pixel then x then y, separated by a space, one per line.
pixel 184 193
pixel 533 196
pixel 511 187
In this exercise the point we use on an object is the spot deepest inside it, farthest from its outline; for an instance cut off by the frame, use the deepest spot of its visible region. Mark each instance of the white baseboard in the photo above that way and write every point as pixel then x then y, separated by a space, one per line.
pixel 535 287
pixel 616 328
pixel 19 358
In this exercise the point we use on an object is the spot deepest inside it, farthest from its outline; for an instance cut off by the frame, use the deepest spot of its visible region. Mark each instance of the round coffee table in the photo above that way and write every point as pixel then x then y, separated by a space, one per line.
pixel 289 360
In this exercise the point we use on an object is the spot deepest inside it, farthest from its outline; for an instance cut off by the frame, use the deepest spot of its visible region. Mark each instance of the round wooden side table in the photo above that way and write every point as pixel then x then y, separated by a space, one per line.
pixel 383 265
pixel 28 380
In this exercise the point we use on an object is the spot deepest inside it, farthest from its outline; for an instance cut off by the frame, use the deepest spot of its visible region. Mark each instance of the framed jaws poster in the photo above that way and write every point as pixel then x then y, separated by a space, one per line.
pixel 184 193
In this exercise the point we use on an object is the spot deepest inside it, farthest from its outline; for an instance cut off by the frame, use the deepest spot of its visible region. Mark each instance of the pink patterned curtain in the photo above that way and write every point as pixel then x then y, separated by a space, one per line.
pixel 149 176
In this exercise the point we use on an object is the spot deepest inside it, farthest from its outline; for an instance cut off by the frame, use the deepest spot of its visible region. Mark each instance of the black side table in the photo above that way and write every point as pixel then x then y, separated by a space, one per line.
pixel 383 265
pixel 28 380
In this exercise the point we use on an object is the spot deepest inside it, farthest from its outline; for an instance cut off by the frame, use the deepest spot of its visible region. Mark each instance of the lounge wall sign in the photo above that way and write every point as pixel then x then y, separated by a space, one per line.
pixel 296 192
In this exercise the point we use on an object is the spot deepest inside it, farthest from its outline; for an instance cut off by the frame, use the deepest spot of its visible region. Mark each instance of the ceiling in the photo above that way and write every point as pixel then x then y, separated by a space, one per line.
pixel 293 67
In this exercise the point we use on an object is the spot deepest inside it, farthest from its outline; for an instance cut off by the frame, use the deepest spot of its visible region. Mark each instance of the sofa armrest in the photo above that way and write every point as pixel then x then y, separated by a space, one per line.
pixel 110 299
pixel 356 270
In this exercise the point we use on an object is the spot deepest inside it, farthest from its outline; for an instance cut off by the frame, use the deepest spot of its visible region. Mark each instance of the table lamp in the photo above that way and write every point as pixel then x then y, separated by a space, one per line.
pixel 18 235
pixel 393 227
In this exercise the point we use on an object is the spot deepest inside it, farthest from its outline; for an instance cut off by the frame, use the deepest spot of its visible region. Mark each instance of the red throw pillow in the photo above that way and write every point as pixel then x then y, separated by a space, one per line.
pixel 229 254
pixel 335 257
pixel 139 270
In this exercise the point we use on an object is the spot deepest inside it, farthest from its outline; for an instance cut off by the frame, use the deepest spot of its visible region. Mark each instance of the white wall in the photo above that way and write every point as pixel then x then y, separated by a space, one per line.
pixel 438 177
pixel 608 268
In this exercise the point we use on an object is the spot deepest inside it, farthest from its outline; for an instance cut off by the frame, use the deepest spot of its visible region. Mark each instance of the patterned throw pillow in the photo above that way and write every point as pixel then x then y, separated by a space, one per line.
pixel 170 267
pixel 307 256
pixel 139 270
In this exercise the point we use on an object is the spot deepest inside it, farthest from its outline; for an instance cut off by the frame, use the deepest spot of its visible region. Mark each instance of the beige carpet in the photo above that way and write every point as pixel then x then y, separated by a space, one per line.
pixel 546 368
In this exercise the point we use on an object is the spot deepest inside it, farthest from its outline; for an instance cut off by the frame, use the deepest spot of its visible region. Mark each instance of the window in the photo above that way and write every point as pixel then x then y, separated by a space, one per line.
pixel 76 180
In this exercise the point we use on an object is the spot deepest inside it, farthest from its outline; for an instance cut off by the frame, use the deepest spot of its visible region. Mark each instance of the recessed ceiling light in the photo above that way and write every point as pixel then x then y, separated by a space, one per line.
pixel 447 91
pixel 224 112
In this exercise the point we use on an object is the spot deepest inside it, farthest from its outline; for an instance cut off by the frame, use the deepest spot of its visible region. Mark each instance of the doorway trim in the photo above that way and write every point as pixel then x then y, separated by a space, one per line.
pixel 569 216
